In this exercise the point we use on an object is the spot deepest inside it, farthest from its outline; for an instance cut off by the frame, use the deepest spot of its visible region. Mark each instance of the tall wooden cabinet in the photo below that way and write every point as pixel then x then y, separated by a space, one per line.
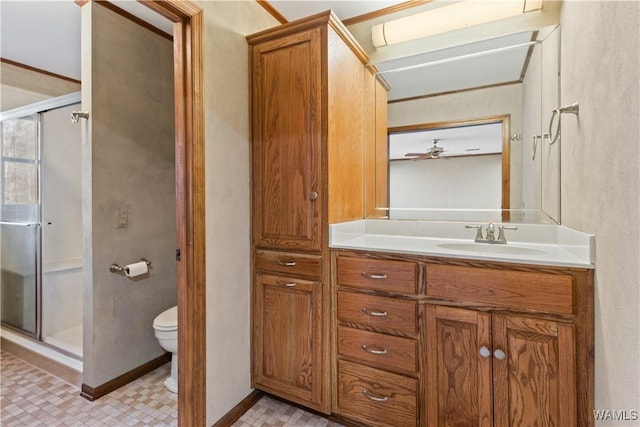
pixel 308 118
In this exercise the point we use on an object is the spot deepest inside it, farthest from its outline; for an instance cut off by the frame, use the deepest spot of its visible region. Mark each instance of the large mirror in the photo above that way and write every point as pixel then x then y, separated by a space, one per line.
pixel 468 132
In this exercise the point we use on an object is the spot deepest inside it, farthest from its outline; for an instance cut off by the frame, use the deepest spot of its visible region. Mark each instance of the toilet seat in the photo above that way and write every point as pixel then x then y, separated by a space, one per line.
pixel 167 320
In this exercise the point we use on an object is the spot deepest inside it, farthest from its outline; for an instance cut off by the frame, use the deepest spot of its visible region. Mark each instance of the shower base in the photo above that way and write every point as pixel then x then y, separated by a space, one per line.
pixel 69 340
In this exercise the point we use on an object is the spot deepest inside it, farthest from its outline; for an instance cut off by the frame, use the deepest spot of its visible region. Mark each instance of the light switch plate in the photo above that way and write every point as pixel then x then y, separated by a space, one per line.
pixel 122 218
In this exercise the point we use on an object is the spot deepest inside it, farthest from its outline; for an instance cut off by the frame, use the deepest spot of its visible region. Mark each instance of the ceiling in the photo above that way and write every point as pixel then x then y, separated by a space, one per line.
pixel 457 141
pixel 46 35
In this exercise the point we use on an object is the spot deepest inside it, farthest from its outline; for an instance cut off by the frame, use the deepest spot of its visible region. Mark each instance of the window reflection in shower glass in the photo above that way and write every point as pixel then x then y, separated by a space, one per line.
pixel 20 180
pixel 19 164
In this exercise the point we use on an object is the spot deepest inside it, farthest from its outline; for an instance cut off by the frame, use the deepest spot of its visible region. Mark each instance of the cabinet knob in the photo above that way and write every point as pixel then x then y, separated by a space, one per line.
pixel 313 195
pixel 499 354
pixel 485 352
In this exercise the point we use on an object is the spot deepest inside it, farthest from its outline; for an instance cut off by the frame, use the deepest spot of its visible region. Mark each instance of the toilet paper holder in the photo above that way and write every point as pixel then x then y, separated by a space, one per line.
pixel 115 268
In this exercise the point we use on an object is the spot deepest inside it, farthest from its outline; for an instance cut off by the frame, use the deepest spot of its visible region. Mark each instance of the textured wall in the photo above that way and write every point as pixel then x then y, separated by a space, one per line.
pixel 601 180
pixel 128 163
pixel 227 127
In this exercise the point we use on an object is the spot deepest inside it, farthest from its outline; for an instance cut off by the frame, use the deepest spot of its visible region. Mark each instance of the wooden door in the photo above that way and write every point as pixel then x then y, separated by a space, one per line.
pixel 458 375
pixel 287 135
pixel 534 384
pixel 287 338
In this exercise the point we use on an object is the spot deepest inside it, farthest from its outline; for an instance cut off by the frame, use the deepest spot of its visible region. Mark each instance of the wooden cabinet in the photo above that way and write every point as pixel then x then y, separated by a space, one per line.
pixel 480 343
pixel 519 361
pixel 377 341
pixel 376 148
pixel 308 136
pixel 287 148
pixel 498 370
pixel 376 397
pixel 536 380
pixel 287 336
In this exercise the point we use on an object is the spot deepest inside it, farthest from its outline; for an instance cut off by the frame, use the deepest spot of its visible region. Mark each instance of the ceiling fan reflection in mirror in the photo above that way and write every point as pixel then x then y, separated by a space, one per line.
pixel 431 153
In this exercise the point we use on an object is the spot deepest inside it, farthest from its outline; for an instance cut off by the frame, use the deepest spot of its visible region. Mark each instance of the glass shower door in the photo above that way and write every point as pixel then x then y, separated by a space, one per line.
pixel 19 265
pixel 19 223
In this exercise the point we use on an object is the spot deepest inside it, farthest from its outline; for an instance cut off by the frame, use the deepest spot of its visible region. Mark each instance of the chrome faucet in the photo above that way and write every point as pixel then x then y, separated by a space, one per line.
pixel 490 236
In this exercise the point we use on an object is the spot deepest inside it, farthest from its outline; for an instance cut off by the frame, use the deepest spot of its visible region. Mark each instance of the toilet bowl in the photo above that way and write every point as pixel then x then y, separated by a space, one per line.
pixel 165 326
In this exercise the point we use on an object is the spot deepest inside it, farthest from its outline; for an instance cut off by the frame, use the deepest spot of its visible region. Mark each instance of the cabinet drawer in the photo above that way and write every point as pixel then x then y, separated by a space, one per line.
pixel 375 397
pixel 385 351
pixel 289 263
pixel 380 312
pixel 379 274
pixel 499 288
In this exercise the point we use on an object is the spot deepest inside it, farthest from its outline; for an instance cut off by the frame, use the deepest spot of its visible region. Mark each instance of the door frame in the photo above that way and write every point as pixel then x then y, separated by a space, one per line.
pixel 187 20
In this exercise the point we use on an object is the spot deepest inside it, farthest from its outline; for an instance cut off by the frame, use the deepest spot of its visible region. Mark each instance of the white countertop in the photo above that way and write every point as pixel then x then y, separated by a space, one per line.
pixel 539 244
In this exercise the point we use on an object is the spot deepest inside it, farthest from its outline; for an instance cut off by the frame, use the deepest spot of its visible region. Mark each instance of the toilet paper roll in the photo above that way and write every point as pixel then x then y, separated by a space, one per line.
pixel 136 269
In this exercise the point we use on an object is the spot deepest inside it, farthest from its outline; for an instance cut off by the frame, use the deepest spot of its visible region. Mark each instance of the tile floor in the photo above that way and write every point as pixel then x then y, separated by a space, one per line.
pixel 271 412
pixel 32 397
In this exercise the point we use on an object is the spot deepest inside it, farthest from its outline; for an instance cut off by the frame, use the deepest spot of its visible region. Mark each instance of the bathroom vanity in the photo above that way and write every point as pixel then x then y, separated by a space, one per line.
pixel 428 336
pixel 395 322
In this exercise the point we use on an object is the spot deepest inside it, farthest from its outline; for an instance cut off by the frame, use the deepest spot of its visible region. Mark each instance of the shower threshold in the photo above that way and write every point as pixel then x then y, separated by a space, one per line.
pixel 69 340
pixel 44 349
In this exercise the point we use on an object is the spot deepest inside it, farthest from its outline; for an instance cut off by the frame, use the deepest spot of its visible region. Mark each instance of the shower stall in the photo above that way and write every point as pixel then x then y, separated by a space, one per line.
pixel 41 223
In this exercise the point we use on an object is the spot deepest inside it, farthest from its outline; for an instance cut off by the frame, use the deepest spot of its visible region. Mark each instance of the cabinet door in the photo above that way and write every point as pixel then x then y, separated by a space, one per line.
pixel 287 132
pixel 287 339
pixel 534 376
pixel 458 375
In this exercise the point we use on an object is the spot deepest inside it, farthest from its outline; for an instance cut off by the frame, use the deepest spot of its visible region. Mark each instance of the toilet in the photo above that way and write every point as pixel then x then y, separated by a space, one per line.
pixel 166 330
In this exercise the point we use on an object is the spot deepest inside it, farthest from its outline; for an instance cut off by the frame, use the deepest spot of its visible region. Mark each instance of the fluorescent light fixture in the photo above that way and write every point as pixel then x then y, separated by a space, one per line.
pixel 447 18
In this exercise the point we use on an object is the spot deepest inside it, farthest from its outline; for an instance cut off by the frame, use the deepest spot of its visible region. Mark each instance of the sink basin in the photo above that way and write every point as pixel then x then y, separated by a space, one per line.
pixel 491 248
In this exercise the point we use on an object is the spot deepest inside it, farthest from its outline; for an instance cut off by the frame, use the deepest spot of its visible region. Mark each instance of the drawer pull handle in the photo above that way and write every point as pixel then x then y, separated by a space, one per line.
pixel 374 313
pixel 374 350
pixel 373 397
pixel 287 284
pixel 286 263
pixel 374 275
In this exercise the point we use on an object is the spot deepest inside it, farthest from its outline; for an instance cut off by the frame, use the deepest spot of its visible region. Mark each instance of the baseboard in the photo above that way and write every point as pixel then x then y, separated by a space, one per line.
pixel 93 393
pixel 237 411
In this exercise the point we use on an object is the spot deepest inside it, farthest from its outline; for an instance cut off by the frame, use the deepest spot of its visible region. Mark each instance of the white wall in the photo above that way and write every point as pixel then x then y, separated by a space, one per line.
pixel 472 182
pixel 227 131
pixel 601 181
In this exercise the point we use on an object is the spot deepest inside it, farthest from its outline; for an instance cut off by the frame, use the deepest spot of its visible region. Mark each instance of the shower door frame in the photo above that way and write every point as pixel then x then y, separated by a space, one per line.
pixel 38 109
